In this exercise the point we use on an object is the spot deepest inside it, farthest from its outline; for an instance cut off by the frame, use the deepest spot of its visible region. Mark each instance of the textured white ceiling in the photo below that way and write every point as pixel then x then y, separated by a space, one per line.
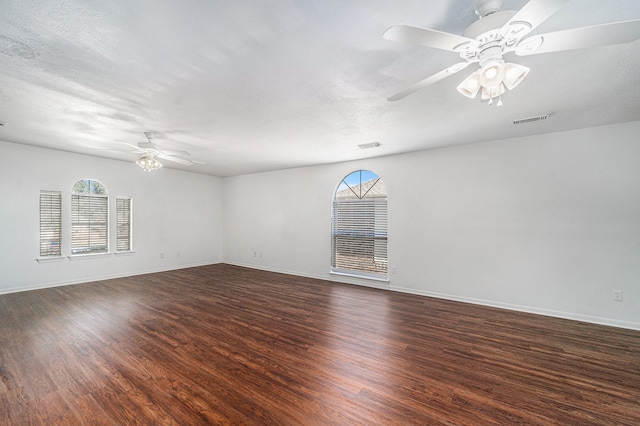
pixel 249 85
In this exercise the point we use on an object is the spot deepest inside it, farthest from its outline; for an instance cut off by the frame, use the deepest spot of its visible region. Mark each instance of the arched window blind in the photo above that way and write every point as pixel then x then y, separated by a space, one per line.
pixel 359 226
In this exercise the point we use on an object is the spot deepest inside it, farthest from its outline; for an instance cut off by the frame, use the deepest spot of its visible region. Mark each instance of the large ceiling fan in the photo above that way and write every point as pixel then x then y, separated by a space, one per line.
pixel 498 32
pixel 150 152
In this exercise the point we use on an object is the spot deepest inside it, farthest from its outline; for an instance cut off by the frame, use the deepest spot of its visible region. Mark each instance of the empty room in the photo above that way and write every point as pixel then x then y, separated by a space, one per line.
pixel 320 212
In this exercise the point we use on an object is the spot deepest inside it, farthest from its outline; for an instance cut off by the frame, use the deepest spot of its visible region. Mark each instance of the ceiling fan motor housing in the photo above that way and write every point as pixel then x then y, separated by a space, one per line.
pixel 487 7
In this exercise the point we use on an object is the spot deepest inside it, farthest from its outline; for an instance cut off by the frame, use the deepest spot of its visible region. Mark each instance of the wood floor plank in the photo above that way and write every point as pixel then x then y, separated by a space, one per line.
pixel 223 344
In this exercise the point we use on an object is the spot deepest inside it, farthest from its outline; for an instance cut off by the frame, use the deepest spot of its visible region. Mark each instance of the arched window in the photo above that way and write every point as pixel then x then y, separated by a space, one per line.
pixel 89 218
pixel 359 226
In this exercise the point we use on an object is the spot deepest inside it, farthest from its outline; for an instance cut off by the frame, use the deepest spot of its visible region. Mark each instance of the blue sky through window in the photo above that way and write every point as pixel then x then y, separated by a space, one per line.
pixel 356 178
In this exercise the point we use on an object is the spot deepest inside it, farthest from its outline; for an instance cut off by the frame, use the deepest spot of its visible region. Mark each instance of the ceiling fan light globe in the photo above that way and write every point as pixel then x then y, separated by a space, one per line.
pixel 514 74
pixel 470 85
pixel 148 163
pixel 492 75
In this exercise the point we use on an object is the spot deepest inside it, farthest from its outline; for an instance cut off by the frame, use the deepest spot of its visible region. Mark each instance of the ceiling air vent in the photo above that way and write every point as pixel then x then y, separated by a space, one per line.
pixel 369 145
pixel 530 119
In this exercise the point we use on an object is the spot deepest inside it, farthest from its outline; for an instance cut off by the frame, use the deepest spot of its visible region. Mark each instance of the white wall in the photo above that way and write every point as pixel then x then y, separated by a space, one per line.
pixel 547 224
pixel 173 212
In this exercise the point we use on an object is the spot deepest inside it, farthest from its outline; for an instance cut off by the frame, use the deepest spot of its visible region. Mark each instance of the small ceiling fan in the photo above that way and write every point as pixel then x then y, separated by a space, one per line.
pixel 150 152
pixel 498 32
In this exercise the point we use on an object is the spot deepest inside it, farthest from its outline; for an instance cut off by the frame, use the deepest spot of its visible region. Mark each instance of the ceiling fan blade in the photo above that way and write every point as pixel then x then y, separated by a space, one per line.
pixel 147 145
pixel 175 159
pixel 430 38
pixel 532 14
pixel 580 38
pixel 430 80
pixel 168 152
pixel 137 148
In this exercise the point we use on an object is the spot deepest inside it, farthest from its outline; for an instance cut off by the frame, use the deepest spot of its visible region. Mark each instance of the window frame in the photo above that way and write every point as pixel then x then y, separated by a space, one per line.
pixel 124 221
pixel 50 221
pixel 94 205
pixel 361 216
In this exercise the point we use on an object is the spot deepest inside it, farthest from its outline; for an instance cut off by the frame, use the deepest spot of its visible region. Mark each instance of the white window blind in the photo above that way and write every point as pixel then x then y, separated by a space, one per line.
pixel 359 226
pixel 360 235
pixel 89 224
pixel 50 223
pixel 123 224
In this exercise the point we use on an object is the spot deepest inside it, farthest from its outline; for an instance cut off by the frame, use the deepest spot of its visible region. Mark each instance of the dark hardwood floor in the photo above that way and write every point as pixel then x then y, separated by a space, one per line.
pixel 229 345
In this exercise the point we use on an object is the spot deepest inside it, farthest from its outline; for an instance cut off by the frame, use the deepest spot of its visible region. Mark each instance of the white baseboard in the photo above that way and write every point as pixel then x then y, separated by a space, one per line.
pixel 611 322
pixel 105 277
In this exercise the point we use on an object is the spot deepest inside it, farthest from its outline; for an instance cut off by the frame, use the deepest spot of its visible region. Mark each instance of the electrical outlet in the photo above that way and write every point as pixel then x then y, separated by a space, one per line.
pixel 394 269
pixel 161 255
pixel 617 295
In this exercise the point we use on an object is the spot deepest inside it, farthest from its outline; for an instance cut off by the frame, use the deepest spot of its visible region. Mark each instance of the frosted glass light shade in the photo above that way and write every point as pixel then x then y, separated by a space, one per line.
pixel 148 162
pixel 514 74
pixel 492 80
pixel 470 85
pixel 492 75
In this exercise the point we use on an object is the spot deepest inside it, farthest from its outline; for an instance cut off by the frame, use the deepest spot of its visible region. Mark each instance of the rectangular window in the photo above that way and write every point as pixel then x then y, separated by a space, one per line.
pixel 359 236
pixel 89 224
pixel 50 223
pixel 123 224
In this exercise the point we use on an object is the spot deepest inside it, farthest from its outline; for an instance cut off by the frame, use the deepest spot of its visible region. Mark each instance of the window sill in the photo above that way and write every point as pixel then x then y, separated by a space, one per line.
pixel 50 259
pixel 363 276
pixel 89 256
